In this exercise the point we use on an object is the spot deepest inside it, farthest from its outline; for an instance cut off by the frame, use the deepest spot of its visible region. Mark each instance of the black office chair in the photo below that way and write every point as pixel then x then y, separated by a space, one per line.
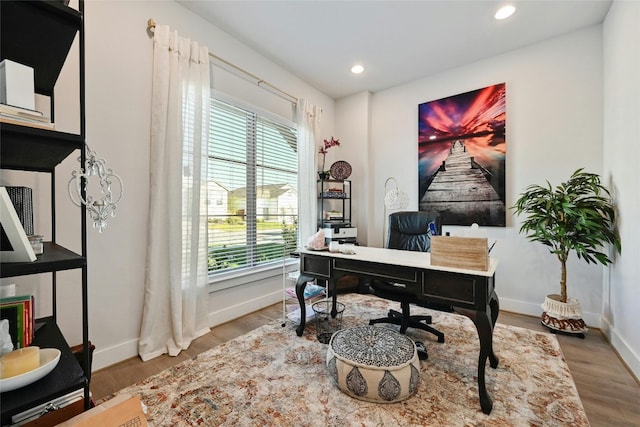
pixel 409 231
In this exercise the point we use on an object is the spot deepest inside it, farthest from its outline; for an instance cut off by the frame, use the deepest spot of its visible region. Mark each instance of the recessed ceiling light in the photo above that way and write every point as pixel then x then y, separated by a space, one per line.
pixel 357 69
pixel 504 12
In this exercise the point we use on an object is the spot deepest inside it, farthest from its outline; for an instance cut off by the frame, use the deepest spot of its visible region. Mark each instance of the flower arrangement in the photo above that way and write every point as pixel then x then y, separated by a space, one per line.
pixel 324 148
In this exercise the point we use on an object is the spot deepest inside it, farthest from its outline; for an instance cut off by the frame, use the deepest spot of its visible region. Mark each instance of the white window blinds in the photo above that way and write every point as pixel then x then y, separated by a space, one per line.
pixel 252 188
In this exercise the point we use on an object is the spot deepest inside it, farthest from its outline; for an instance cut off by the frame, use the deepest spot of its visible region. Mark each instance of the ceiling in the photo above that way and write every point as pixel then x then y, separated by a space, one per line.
pixel 396 41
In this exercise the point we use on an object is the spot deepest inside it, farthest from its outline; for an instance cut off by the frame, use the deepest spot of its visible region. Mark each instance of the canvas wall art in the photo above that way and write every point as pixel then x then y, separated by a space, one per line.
pixel 461 157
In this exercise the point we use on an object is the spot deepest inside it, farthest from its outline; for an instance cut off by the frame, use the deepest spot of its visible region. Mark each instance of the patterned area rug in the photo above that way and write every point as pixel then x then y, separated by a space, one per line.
pixel 271 377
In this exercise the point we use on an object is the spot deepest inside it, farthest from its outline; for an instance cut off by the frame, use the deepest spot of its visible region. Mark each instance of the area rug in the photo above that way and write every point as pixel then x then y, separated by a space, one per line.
pixel 271 377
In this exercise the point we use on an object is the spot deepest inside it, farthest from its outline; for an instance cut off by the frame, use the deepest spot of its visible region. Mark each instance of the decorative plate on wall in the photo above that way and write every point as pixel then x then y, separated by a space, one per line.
pixel 340 170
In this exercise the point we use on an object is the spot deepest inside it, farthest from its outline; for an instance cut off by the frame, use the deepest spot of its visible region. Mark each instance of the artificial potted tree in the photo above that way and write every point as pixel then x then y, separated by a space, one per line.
pixel 577 215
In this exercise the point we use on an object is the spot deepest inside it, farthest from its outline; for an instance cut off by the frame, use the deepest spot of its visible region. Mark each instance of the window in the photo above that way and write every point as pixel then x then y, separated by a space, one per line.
pixel 253 173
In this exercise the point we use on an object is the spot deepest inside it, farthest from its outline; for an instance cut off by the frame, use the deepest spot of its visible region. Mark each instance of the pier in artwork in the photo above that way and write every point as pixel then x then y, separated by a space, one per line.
pixel 461 191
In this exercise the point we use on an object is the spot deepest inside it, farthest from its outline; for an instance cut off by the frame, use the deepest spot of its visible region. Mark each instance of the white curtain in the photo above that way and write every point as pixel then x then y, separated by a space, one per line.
pixel 175 299
pixel 308 121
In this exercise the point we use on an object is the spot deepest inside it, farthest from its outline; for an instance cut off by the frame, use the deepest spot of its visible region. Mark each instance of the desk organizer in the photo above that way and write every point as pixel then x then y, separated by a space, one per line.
pixel 470 253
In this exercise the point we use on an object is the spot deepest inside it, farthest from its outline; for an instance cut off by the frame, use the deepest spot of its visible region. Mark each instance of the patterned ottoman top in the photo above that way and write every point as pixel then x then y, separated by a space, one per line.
pixel 373 346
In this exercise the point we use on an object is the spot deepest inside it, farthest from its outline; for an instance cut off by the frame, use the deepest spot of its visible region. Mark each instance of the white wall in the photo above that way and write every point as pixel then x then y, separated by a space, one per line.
pixel 621 295
pixel 352 128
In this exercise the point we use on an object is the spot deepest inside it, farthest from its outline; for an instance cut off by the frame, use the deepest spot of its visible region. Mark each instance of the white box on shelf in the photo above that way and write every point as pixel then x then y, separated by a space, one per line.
pixel 17 85
pixel 341 232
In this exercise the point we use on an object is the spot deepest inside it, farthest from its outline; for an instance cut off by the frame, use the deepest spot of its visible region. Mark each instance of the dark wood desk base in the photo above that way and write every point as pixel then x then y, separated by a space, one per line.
pixel 470 295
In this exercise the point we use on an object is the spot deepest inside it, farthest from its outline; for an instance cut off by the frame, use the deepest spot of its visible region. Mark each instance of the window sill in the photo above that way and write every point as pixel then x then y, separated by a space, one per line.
pixel 232 279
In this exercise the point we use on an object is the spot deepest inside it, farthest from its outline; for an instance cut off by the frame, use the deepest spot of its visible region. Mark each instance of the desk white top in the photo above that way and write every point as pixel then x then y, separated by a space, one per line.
pixel 403 258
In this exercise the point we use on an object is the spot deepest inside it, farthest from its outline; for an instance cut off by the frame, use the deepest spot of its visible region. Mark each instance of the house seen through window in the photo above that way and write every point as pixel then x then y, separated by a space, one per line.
pixel 252 188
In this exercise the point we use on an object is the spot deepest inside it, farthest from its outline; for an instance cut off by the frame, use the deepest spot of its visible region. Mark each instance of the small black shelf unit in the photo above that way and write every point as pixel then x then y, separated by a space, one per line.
pixel 334 195
pixel 40 34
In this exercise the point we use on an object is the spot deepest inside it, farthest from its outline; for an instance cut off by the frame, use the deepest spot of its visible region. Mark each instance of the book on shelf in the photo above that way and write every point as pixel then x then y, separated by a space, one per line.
pixel 19 311
pixel 24 117
pixel 10 313
pixel 25 122
pixel 19 111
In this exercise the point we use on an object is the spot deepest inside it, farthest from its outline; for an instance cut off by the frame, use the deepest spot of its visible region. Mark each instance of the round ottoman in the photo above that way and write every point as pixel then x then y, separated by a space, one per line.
pixel 373 363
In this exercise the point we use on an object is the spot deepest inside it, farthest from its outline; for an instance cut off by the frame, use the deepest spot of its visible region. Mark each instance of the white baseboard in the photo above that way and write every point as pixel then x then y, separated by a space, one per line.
pixel 245 307
pixel 103 358
pixel 626 353
pixel 112 355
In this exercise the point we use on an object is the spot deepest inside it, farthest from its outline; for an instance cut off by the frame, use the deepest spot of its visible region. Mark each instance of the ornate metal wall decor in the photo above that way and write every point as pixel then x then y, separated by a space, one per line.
pixel 102 205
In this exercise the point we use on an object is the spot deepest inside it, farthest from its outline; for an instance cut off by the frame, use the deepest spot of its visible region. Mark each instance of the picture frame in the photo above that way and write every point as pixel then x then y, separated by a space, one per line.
pixel 14 244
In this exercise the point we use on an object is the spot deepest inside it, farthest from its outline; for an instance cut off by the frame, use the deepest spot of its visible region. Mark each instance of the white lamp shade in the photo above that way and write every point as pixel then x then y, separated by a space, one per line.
pixel 396 199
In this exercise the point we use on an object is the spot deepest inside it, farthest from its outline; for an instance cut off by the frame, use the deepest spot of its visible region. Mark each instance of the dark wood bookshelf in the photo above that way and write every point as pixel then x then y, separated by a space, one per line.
pixel 41 34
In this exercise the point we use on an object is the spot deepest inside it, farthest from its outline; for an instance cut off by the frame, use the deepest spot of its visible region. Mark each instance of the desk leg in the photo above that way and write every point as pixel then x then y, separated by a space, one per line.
pixel 485 333
pixel 484 322
pixel 333 290
pixel 300 285
pixel 494 304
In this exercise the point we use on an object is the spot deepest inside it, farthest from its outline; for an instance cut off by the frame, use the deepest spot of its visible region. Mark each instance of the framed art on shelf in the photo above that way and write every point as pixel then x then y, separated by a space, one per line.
pixel 14 244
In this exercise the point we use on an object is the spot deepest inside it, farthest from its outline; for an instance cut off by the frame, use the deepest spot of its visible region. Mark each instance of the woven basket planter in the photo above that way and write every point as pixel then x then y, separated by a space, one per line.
pixel 561 316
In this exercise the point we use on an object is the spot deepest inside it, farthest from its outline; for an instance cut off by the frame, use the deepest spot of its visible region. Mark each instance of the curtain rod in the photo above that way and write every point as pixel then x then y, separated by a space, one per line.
pixel 151 25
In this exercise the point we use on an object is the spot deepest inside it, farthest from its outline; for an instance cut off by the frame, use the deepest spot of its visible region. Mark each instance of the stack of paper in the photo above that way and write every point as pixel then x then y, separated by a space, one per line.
pixel 24 117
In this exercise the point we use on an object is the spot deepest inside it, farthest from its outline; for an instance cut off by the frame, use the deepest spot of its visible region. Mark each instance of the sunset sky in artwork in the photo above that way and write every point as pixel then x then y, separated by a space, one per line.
pixel 477 116
pixel 462 115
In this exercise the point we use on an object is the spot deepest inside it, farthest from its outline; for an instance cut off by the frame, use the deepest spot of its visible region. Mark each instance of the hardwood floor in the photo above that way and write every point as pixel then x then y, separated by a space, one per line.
pixel 609 392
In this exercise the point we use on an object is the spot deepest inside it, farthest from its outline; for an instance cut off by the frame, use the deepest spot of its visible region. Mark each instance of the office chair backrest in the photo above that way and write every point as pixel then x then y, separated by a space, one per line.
pixel 410 230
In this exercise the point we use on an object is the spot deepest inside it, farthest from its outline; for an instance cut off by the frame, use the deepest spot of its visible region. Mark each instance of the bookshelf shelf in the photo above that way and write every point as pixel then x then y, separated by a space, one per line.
pixel 65 378
pixel 33 149
pixel 53 258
